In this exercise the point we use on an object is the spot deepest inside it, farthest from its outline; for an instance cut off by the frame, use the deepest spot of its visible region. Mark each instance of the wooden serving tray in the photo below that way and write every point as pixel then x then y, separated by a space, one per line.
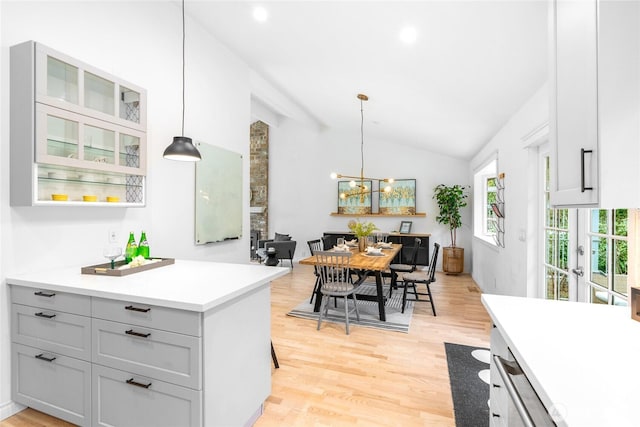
pixel 105 269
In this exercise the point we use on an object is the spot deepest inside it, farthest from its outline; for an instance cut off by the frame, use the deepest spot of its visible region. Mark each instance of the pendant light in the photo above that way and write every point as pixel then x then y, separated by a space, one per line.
pixel 359 189
pixel 182 147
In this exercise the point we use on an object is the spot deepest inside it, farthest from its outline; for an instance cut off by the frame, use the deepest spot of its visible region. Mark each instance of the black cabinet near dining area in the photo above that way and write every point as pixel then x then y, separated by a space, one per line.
pixel 406 239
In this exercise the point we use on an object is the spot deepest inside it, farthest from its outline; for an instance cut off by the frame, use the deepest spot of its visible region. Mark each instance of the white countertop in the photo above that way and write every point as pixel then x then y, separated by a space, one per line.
pixel 581 358
pixel 187 285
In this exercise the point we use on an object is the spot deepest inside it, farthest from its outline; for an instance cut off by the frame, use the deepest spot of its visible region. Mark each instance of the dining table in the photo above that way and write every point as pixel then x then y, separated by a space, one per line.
pixel 365 265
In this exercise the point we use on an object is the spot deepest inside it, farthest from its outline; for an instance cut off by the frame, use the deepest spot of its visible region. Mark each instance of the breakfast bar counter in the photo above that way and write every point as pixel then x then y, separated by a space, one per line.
pixel 184 344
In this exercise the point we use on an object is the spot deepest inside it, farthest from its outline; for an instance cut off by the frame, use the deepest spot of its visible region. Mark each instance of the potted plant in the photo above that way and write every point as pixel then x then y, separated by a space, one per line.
pixel 362 230
pixel 450 200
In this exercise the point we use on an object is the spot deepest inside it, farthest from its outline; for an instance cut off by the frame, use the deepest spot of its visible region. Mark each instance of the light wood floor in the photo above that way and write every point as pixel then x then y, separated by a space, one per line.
pixel 368 378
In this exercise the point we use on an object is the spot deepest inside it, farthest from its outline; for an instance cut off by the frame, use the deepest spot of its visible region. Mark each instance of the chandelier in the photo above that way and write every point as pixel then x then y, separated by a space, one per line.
pixel 357 183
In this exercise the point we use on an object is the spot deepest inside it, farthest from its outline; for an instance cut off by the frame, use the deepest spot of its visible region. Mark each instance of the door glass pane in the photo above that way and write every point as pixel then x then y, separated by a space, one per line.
pixel 599 296
pixel 129 151
pixel 62 137
pixel 99 145
pixel 599 266
pixel 550 282
pixel 563 286
pixel 599 221
pixel 550 250
pixel 99 93
pixel 620 266
pixel 563 250
pixel 62 80
pixel 129 105
pixel 619 301
pixel 620 222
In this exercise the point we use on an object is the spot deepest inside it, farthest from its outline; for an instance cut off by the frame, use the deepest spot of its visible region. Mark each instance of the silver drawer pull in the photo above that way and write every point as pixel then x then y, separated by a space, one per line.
pixel 137 334
pixel 41 356
pixel 44 294
pixel 48 316
pixel 141 310
pixel 137 384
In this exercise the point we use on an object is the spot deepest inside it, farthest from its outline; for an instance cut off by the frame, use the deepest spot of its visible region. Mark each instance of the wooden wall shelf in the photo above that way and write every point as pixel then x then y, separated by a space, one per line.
pixel 418 214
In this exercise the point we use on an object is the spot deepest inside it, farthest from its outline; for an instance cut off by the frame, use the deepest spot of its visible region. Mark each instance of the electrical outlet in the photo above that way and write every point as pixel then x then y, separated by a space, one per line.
pixel 113 236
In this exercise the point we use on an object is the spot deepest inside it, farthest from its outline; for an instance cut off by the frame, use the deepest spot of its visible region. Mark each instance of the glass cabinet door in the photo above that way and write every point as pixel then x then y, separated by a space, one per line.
pixel 62 80
pixel 99 93
pixel 99 145
pixel 62 137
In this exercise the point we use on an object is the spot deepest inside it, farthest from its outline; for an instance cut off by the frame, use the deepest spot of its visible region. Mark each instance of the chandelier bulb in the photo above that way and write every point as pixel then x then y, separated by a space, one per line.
pixel 334 175
pixel 352 184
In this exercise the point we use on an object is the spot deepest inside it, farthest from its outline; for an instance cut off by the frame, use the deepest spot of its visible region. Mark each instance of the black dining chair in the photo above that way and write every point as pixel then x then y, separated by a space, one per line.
pixel 426 277
pixel 404 268
pixel 315 246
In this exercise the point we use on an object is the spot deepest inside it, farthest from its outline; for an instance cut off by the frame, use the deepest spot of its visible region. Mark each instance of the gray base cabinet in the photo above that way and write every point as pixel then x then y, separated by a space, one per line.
pixel 126 399
pixel 109 362
pixel 52 383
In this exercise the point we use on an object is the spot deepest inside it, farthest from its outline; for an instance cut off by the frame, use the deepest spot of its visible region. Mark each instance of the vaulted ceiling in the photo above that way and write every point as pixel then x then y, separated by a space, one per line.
pixel 472 65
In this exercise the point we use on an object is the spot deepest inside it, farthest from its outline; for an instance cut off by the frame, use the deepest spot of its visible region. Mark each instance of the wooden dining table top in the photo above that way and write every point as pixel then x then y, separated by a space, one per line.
pixel 362 261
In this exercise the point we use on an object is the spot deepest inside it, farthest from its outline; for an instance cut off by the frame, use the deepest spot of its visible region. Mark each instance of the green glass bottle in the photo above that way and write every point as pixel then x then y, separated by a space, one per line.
pixel 132 249
pixel 143 246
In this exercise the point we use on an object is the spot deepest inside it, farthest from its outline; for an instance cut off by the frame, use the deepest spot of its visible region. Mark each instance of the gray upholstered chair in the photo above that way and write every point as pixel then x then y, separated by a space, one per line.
pixel 426 277
pixel 281 244
pixel 335 281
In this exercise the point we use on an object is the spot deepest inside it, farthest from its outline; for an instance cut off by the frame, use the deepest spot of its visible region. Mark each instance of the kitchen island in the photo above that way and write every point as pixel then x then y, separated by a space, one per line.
pixel 580 358
pixel 185 344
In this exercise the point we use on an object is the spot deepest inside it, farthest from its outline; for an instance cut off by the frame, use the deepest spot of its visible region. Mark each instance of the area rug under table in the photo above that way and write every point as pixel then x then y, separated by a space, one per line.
pixel 469 378
pixel 369 317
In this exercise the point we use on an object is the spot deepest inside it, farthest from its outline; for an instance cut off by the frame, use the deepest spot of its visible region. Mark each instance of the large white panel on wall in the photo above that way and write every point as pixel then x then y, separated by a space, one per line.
pixel 218 213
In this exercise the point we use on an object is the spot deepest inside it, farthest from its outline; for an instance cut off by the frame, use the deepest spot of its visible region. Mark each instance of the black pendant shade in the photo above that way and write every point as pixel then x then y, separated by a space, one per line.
pixel 182 148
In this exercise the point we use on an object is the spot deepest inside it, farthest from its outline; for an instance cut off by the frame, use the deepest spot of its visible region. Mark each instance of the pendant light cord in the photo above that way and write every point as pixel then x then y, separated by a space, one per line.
pixel 183 56
pixel 361 143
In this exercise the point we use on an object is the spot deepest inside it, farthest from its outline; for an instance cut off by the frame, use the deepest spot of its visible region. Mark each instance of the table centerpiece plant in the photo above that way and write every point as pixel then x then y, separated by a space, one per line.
pixel 362 230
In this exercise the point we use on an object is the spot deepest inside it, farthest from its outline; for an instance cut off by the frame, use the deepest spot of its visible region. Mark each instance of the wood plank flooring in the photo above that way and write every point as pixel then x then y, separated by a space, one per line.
pixel 368 378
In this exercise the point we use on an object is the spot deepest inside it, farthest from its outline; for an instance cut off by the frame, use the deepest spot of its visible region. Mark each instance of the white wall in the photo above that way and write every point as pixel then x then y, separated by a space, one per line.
pixel 507 270
pixel 139 42
pixel 302 195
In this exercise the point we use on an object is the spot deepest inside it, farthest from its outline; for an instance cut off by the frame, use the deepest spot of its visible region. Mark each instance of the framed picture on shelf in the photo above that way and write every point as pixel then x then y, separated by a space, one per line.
pixel 405 227
pixel 354 200
pixel 401 200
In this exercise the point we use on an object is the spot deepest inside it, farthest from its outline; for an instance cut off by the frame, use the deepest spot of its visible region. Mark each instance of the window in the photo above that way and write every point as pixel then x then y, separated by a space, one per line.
pixel 485 193
pixel 607 237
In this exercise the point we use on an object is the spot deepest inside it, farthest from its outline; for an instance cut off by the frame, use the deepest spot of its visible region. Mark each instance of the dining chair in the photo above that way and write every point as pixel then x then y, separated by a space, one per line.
pixel 315 246
pixel 335 279
pixel 404 268
pixel 426 277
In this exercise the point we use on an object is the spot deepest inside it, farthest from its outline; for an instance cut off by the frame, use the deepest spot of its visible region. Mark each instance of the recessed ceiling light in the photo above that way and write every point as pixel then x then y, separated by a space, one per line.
pixel 260 14
pixel 408 35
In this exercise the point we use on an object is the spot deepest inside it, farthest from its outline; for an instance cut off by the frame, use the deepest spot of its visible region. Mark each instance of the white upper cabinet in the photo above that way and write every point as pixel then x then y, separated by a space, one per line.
pixel 76 132
pixel 595 103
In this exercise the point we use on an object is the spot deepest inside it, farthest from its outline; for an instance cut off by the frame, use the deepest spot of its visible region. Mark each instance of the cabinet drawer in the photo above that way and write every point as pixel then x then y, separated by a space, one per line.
pixel 149 316
pixel 60 387
pixel 125 399
pixel 163 355
pixel 52 300
pixel 498 398
pixel 50 330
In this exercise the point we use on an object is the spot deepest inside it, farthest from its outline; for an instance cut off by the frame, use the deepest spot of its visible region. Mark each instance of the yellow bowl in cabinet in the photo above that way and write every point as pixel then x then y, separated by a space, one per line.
pixel 90 198
pixel 113 199
pixel 60 197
